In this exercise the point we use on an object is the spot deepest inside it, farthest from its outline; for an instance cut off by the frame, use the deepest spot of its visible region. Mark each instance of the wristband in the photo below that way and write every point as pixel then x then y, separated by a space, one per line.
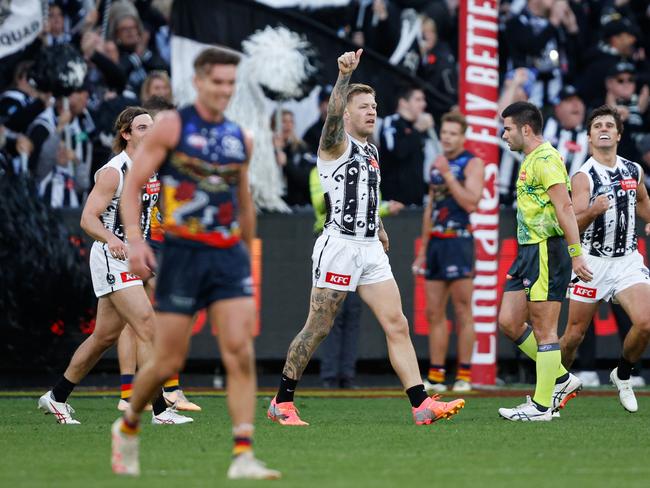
pixel 575 250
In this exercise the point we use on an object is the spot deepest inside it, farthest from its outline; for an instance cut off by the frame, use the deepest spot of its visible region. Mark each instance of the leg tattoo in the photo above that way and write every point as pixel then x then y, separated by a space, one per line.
pixel 324 306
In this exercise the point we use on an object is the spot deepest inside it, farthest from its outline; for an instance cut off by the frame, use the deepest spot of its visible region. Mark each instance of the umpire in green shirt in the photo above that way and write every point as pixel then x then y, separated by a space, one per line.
pixel 549 248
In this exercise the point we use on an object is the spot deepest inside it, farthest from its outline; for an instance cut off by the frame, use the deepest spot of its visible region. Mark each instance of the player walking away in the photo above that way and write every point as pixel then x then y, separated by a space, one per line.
pixel 538 279
pixel 127 349
pixel 127 352
pixel 447 251
pixel 608 193
pixel 351 253
pixel 202 159
pixel 120 293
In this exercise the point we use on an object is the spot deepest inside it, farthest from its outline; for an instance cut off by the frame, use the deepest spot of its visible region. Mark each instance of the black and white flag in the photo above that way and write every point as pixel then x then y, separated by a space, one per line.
pixel 20 23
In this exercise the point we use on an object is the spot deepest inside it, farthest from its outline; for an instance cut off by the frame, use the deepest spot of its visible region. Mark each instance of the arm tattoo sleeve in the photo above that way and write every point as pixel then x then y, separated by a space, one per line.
pixel 333 133
pixel 325 304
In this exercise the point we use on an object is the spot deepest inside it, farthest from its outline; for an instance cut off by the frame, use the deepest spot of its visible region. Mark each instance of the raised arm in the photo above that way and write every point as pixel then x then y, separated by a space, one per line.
pixel 580 195
pixel 332 140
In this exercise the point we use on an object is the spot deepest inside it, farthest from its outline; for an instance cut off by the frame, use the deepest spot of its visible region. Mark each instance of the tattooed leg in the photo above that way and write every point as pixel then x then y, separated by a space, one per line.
pixel 324 305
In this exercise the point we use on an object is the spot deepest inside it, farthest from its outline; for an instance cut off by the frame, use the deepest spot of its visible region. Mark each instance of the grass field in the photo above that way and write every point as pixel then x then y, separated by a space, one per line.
pixel 360 442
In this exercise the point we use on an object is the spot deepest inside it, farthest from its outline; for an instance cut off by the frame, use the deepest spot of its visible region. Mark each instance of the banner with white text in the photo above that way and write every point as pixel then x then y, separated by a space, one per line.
pixel 20 23
pixel 479 84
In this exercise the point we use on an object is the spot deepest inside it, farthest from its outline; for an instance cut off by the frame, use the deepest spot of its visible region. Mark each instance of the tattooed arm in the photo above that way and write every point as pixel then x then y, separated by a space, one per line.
pixel 324 306
pixel 383 236
pixel 333 142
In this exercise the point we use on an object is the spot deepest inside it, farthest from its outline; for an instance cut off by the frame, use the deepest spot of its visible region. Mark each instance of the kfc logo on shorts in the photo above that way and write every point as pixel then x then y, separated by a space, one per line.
pixel 126 277
pixel 629 184
pixel 583 291
pixel 337 279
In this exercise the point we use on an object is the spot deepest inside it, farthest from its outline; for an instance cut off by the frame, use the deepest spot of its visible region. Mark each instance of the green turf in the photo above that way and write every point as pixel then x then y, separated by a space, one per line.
pixel 351 442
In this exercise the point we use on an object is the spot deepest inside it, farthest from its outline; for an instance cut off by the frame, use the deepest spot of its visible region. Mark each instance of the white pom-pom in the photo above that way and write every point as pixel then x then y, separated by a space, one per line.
pixel 277 59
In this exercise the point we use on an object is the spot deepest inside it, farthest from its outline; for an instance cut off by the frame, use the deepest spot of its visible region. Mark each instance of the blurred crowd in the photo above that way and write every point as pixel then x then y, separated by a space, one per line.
pixel 566 56
pixel 62 140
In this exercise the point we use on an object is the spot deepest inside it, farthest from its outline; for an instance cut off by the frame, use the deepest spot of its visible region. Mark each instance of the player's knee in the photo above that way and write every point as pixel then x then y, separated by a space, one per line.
pixel 436 315
pixel 106 339
pixel 644 327
pixel 169 365
pixel 573 337
pixel 144 325
pixel 506 324
pixel 397 326
pixel 239 357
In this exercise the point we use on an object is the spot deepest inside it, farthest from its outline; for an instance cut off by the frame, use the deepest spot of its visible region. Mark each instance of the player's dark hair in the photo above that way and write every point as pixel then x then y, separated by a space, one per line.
pixel 123 124
pixel 602 111
pixel 156 104
pixel 525 113
pixel 211 56
pixel 405 92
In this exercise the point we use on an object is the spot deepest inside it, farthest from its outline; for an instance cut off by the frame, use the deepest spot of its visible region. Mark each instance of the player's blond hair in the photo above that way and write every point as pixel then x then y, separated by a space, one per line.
pixel 456 118
pixel 357 89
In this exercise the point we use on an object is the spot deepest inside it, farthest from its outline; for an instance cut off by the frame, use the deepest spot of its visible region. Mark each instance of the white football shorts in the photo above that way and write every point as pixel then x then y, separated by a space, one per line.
pixel 611 276
pixel 343 264
pixel 109 274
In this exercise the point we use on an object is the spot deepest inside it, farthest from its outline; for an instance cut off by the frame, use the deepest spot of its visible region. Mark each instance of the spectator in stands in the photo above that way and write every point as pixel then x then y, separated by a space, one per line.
pixel 312 135
pixel 79 136
pixel 438 68
pixel 45 132
pixel 20 105
pixel 75 128
pixel 77 16
pixel 295 159
pixel 618 44
pixel 156 84
pixel 622 94
pixel 565 129
pixel 375 24
pixel 517 87
pixel 544 36
pixel 57 189
pixel 55 31
pixel 126 29
pixel 402 140
pixel 105 75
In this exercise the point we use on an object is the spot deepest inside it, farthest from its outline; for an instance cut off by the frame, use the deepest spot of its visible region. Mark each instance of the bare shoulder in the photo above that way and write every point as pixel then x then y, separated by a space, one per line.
pixel 333 153
pixel 579 180
pixel 107 178
pixel 476 163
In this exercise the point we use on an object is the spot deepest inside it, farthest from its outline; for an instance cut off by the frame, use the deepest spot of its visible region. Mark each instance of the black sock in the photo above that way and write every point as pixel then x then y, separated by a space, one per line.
pixel 541 408
pixel 159 405
pixel 562 378
pixel 62 390
pixel 624 369
pixel 286 390
pixel 417 394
